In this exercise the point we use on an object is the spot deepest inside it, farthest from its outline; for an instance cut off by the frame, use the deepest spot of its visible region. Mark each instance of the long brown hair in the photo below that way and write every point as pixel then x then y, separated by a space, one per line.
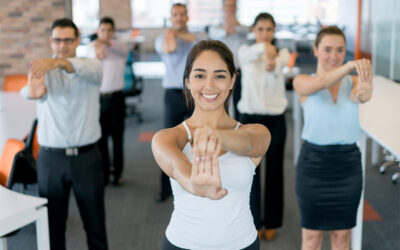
pixel 223 51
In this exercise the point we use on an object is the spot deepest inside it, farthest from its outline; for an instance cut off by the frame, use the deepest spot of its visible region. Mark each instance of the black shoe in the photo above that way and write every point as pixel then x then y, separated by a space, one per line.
pixel 162 197
pixel 118 182
pixel 106 182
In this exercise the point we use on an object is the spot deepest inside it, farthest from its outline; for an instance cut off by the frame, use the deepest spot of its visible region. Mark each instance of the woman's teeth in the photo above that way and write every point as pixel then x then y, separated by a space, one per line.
pixel 210 96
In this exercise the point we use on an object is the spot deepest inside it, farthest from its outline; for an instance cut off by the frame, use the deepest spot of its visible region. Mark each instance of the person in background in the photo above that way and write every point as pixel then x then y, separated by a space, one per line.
pixel 233 34
pixel 173 47
pixel 263 101
pixel 113 55
pixel 67 92
pixel 210 172
pixel 328 173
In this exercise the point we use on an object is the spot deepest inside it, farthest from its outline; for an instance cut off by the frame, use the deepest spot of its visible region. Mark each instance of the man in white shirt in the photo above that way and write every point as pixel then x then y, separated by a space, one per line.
pixel 113 55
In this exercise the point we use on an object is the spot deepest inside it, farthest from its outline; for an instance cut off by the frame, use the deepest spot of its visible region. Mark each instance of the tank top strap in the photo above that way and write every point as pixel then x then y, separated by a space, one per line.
pixel 188 132
pixel 237 125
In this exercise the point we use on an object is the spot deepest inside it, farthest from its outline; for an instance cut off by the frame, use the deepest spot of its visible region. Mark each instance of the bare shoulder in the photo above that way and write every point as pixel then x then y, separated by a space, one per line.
pixel 301 79
pixel 171 136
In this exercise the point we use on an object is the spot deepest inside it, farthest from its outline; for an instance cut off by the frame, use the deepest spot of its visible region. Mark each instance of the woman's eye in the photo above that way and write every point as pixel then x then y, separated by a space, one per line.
pixel 221 77
pixel 327 50
pixel 199 76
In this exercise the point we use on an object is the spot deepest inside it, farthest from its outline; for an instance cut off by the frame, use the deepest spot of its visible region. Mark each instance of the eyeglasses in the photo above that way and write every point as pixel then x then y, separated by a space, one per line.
pixel 67 41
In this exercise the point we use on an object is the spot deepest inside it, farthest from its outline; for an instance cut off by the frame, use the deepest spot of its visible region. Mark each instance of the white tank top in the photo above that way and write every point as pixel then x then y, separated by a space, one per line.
pixel 201 223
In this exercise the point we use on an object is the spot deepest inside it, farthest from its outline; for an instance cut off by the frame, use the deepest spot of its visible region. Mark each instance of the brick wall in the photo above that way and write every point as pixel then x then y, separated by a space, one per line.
pixel 24 31
pixel 119 10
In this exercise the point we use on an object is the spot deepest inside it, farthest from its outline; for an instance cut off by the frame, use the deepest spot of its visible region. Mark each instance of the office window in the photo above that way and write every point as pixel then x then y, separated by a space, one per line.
pixel 289 11
pixel 86 15
pixel 383 28
pixel 396 67
pixel 156 13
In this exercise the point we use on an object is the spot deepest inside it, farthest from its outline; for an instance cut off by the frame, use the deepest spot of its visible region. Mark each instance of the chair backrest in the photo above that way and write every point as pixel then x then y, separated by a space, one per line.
pixel 133 85
pixel 7 160
pixel 15 83
pixel 35 145
pixel 31 142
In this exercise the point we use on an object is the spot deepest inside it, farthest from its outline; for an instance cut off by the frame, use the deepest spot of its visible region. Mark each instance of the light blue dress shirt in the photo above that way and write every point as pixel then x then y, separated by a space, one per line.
pixel 68 114
pixel 174 62
pixel 326 122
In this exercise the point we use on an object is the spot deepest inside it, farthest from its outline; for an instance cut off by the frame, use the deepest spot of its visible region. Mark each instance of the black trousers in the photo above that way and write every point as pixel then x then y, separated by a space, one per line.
pixel 57 173
pixel 112 117
pixel 175 112
pixel 273 192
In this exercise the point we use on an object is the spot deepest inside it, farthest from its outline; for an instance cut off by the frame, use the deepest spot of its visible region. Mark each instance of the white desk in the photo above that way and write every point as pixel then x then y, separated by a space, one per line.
pixel 149 70
pixel 380 117
pixel 379 120
pixel 16 116
pixel 18 210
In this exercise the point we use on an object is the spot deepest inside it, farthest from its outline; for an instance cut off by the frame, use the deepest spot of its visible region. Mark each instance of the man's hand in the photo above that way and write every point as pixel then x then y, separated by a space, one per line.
pixel 36 87
pixel 169 41
pixel 230 25
pixel 40 66
pixel 100 48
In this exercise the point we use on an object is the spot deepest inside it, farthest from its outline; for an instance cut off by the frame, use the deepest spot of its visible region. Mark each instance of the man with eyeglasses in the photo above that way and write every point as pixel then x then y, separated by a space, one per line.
pixel 67 92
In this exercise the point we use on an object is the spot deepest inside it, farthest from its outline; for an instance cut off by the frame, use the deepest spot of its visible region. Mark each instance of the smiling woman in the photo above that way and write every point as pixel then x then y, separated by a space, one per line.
pixel 328 173
pixel 210 172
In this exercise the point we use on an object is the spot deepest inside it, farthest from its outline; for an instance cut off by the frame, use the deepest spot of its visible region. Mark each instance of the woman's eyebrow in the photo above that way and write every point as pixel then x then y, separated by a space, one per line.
pixel 220 70
pixel 215 71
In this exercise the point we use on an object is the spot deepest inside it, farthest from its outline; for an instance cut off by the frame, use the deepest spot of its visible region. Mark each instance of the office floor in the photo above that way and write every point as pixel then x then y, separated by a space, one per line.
pixel 135 221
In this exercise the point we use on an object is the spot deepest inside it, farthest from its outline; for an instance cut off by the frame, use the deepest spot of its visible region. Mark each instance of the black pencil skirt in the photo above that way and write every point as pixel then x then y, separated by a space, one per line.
pixel 328 186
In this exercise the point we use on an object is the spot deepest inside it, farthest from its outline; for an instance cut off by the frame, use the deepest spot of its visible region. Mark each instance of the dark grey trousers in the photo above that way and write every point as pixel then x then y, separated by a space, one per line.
pixel 57 174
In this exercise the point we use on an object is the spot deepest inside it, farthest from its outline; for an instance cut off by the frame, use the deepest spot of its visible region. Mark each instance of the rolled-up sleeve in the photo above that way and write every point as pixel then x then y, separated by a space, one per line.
pixel 24 92
pixel 88 69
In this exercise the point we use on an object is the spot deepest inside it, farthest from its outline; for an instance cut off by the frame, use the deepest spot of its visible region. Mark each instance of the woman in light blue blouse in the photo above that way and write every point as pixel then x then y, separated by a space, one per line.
pixel 329 174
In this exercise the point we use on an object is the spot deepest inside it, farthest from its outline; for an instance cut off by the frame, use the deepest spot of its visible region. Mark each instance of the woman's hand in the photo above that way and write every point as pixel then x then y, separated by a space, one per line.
pixel 362 91
pixel 205 177
pixel 270 56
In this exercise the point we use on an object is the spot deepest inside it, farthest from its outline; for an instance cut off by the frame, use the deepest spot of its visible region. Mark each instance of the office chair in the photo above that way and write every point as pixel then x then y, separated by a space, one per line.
pixel 14 83
pixel 390 160
pixel 11 149
pixel 133 88
pixel 25 165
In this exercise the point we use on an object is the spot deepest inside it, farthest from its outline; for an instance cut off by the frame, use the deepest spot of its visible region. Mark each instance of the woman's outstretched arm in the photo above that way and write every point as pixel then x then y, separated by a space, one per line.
pixel 200 178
